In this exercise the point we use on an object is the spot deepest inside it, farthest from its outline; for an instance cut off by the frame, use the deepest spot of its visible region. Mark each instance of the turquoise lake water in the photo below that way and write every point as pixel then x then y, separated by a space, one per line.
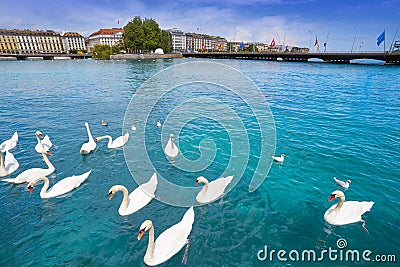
pixel 330 120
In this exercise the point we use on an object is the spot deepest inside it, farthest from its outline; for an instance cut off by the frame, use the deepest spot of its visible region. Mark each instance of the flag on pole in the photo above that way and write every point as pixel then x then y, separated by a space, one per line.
pixel 361 44
pixel 316 44
pixel 118 22
pixel 241 46
pixel 272 43
pixel 380 38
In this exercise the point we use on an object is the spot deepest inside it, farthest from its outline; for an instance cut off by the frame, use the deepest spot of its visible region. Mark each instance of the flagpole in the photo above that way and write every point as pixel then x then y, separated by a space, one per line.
pixel 326 43
pixel 384 41
pixel 394 38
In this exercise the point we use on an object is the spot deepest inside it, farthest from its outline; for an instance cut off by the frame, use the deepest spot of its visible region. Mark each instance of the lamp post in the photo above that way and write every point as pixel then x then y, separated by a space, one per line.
pixel 355 34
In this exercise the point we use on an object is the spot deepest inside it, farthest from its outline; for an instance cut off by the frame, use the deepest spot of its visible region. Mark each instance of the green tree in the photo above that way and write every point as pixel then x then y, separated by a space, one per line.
pixel 152 34
pixel 134 35
pixel 146 35
pixel 101 51
pixel 166 41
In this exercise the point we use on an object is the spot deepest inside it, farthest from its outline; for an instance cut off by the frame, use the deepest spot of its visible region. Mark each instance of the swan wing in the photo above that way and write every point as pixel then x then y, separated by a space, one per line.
pixel 278 159
pixel 350 212
pixel 46 143
pixel 140 197
pixel 215 190
pixel 10 143
pixel 172 240
pixel 67 184
pixel 10 163
pixel 171 150
pixel 88 147
pixel 339 182
pixel 120 141
pixel 28 175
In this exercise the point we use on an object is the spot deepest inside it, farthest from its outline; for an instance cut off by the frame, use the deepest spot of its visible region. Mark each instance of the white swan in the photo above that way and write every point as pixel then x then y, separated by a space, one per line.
pixel 8 164
pixel 90 145
pixel 118 142
pixel 212 191
pixel 10 143
pixel 342 183
pixel 279 159
pixel 30 174
pixel 168 243
pixel 45 143
pixel 158 123
pixel 133 127
pixel 346 212
pixel 171 149
pixel 61 187
pixel 139 197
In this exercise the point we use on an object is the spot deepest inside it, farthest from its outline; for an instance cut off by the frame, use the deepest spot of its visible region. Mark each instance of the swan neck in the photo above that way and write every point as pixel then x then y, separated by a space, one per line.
pixel 47 161
pixel 125 200
pixel 2 164
pixel 104 137
pixel 205 188
pixel 88 132
pixel 339 204
pixel 43 192
pixel 150 247
pixel 45 158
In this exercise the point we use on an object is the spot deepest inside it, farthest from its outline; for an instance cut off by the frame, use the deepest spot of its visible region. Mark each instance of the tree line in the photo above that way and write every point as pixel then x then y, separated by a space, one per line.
pixel 140 35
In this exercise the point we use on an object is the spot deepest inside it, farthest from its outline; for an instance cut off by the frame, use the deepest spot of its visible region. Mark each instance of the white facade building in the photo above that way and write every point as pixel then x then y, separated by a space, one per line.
pixel 73 41
pixel 178 40
pixel 110 37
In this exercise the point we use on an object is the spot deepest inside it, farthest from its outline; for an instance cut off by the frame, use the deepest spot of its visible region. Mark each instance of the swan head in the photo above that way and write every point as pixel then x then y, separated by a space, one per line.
pixel 283 155
pixel 348 181
pixel 39 134
pixel 86 124
pixel 336 194
pixel 146 225
pixel 31 184
pixel 112 191
pixel 171 136
pixel 201 179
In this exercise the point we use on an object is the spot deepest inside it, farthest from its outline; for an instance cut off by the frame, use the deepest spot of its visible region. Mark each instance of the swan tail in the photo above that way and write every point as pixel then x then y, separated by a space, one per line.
pixel 189 216
pixel 81 178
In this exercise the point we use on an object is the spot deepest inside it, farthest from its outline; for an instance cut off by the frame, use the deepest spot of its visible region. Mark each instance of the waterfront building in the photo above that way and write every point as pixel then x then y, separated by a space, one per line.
pixel 110 37
pixel 73 41
pixel 178 40
pixel 202 42
pixel 8 42
pixel 30 42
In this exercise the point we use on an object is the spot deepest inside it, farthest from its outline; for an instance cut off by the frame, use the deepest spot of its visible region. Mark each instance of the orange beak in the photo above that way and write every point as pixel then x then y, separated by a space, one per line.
pixel 197 183
pixel 140 235
pixel 331 198
pixel 30 189
pixel 110 195
pixel 49 153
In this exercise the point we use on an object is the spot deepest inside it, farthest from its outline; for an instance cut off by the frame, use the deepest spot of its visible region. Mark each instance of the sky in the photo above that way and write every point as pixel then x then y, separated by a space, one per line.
pixel 344 26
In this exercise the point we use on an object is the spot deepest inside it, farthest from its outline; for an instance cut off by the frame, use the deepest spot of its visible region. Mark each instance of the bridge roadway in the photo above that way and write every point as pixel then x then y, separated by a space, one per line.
pixel 389 58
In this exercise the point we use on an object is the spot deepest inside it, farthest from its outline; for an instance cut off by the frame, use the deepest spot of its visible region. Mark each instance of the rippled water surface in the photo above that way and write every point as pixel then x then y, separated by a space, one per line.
pixel 331 120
